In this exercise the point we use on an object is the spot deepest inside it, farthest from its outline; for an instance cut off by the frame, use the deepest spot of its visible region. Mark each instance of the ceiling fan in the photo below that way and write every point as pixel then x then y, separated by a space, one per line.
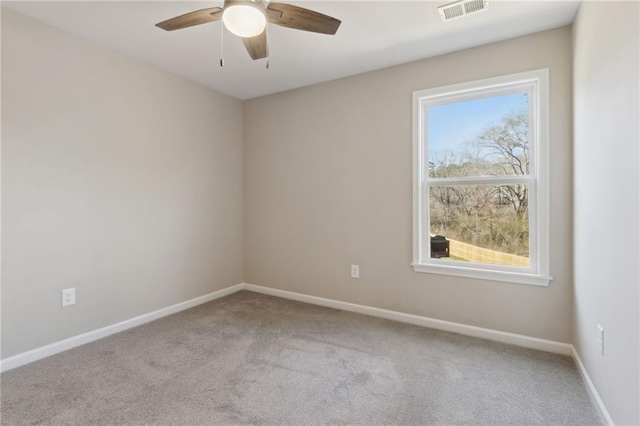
pixel 248 19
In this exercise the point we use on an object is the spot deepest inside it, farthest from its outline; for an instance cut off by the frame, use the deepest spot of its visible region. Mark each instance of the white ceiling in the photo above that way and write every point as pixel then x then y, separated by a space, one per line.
pixel 373 35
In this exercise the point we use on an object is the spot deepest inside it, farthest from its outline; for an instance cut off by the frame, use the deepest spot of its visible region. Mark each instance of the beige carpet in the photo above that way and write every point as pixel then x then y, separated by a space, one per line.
pixel 250 358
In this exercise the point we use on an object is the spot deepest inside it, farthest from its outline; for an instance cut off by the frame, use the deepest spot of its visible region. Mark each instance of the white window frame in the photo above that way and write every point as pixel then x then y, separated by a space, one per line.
pixel 536 84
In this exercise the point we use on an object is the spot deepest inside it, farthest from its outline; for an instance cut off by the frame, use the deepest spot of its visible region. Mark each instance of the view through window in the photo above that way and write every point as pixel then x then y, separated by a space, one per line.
pixel 487 137
pixel 480 179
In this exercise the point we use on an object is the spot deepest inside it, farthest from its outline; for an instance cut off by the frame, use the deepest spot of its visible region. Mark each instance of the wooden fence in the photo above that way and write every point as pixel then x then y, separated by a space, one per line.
pixel 482 255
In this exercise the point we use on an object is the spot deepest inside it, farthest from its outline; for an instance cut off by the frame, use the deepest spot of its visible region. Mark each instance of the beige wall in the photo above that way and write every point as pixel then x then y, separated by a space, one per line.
pixel 328 184
pixel 126 182
pixel 119 179
pixel 607 192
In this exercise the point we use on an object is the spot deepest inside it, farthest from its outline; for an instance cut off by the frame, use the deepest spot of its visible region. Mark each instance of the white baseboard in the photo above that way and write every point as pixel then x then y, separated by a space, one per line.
pixel 467 330
pixel 81 339
pixel 592 389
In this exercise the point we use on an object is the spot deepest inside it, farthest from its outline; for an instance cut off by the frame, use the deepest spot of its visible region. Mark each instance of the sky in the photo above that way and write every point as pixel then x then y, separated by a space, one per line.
pixel 451 125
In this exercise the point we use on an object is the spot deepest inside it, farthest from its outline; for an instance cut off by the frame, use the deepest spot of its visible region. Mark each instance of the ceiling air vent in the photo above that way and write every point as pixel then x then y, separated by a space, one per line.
pixel 458 9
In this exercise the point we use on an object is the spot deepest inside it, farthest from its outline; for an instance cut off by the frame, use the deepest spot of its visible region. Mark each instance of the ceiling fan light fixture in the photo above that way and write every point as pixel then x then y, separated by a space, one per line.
pixel 244 20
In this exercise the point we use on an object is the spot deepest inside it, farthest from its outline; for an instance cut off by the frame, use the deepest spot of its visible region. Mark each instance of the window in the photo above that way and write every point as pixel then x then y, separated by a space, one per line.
pixel 481 179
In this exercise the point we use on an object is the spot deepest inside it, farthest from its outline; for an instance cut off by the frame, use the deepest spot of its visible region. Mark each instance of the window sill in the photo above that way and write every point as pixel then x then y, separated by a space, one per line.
pixel 456 271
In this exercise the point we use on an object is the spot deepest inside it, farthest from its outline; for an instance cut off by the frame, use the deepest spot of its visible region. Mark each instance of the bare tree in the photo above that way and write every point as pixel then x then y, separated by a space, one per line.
pixel 491 216
pixel 505 149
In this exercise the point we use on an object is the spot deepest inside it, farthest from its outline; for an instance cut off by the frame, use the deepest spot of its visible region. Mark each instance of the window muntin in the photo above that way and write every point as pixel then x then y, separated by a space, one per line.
pixel 480 179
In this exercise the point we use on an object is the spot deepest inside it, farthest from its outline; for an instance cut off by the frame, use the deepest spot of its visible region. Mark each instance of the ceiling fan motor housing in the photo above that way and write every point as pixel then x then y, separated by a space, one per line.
pixel 251 3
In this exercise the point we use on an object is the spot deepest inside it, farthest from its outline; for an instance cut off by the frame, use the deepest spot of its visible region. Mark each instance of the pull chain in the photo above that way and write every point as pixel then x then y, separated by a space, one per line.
pixel 267 30
pixel 221 45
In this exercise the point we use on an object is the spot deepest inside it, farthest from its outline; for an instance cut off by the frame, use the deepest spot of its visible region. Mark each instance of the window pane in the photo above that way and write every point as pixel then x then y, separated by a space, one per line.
pixel 481 223
pixel 483 137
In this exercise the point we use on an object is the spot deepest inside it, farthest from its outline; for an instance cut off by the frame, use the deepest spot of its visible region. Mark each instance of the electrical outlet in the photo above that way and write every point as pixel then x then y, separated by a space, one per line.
pixel 600 338
pixel 355 271
pixel 68 297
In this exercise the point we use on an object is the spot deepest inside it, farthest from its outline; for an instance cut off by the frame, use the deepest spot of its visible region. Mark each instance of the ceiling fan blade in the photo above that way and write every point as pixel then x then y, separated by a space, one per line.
pixel 256 46
pixel 198 17
pixel 300 18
